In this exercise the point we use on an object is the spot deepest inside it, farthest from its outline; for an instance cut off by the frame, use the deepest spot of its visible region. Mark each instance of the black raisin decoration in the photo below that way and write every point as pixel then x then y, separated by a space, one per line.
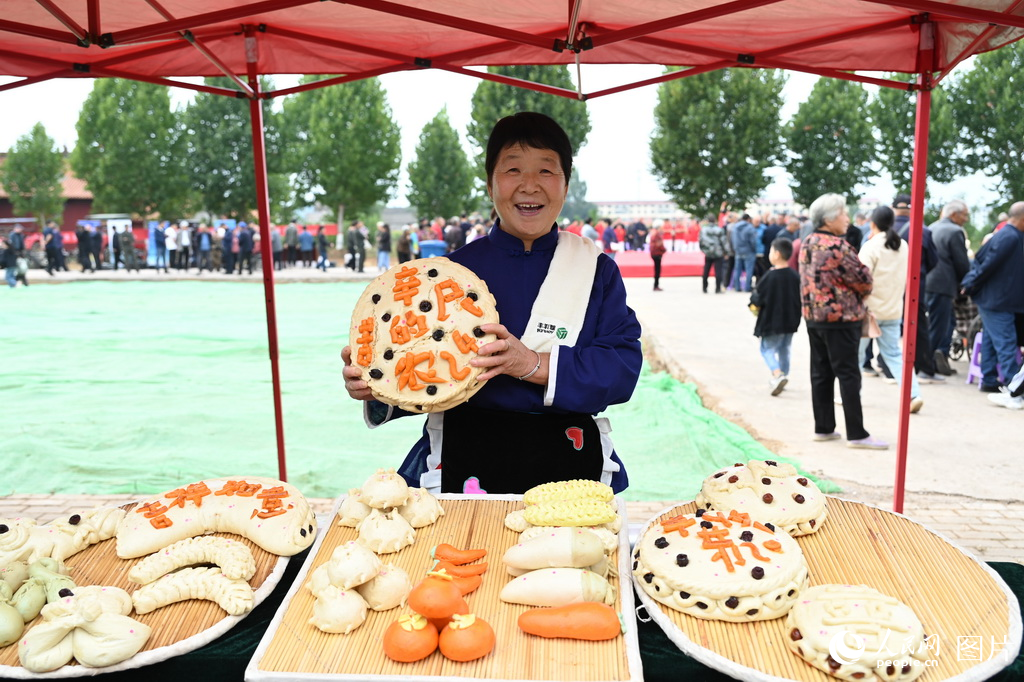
pixel 802 481
pixel 437 335
pixel 791 593
pixel 657 588
pixel 905 669
pixel 3 528
pixel 684 595
pixel 770 526
pixel 376 298
pixel 737 464
pixel 426 306
pixel 890 670
pixel 648 577
pixel 752 612
pixel 706 524
pixel 75 519
pixel 733 479
pixel 798 498
pixel 795 635
pixel 473 296
pixel 419 408
pixel 747 536
pixel 732 602
pixel 389 354
pixel 767 498
pixel 833 663
pixel 432 272
pixel 478 332
pixel 719 474
pixel 635 564
pixel 302 532
pixel 310 528
pixel 386 317
pixel 857 676
pixel 771 462
pixel 661 543
pixel 682 560
pixel 65 592
pixel 701 605
pixel 766 481
pixel 700 513
pixel 376 373
pixel 757 573
pixel 813 523
pixel 431 389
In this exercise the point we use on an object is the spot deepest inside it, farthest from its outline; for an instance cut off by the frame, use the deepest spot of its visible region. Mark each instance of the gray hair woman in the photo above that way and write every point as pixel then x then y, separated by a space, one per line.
pixel 833 284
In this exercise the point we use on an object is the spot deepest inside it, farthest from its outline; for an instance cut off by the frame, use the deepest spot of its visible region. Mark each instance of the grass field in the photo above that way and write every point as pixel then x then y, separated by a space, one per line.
pixel 139 387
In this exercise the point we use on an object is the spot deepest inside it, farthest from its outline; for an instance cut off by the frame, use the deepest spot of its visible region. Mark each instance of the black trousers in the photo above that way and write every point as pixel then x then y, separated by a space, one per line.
pixel 657 269
pixel 244 261
pixel 719 265
pixel 835 355
pixel 728 263
pixel 924 358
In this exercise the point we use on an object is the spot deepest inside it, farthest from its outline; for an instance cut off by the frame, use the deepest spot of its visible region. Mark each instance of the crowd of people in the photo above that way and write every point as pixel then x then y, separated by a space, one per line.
pixel 846 281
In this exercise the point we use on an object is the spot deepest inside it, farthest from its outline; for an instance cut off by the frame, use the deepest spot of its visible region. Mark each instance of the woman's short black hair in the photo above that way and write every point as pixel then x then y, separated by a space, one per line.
pixel 528 129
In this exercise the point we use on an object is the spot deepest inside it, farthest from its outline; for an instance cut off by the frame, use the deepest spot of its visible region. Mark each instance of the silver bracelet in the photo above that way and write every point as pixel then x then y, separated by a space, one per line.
pixel 532 371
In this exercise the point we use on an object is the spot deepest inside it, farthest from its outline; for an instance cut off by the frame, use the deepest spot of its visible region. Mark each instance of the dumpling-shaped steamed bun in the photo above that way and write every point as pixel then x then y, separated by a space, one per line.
pixel 422 509
pixel 388 590
pixel 338 611
pixel 385 489
pixel 351 564
pixel 352 509
pixel 386 532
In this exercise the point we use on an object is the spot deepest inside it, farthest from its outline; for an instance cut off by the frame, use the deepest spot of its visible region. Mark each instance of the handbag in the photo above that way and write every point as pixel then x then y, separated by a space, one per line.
pixel 870 328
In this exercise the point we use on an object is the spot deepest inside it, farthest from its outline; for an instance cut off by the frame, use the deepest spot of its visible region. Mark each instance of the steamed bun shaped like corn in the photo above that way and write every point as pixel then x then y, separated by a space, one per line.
pixel 575 489
pixel 581 512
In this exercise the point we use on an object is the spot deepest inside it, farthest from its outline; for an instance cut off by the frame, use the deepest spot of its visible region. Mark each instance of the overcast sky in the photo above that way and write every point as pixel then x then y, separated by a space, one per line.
pixel 615 162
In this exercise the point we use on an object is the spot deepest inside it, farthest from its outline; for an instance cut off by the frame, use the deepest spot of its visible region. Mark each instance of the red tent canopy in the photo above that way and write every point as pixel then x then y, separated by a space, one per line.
pixel 158 40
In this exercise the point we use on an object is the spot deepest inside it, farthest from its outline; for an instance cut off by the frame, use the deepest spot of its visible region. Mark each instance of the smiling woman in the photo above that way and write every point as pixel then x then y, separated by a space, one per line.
pixel 567 347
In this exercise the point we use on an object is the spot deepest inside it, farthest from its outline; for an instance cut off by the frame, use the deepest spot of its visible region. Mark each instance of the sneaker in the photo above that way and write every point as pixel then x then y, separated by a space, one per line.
pixel 869 371
pixel 821 437
pixel 889 380
pixel 930 378
pixel 985 388
pixel 778 383
pixel 942 364
pixel 916 404
pixel 1008 401
pixel 869 443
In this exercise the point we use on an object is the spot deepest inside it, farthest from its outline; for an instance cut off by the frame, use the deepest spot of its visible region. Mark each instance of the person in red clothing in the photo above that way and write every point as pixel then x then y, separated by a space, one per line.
pixel 657 244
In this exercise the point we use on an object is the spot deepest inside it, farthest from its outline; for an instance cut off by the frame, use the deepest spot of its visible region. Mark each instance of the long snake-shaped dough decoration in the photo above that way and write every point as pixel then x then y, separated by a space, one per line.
pixel 234 596
pixel 234 558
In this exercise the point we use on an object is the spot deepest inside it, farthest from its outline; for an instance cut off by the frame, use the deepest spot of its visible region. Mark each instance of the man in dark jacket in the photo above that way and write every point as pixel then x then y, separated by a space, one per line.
pixel 944 279
pixel 244 248
pixel 744 243
pixel 996 283
pixel 924 360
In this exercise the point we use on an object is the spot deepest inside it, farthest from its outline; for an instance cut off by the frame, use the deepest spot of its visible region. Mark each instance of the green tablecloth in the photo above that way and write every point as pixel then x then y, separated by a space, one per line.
pixel 225 659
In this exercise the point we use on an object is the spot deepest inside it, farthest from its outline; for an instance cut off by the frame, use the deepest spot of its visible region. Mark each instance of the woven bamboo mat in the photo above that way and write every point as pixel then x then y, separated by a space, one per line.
pixel 293 647
pixel 177 628
pixel 954 596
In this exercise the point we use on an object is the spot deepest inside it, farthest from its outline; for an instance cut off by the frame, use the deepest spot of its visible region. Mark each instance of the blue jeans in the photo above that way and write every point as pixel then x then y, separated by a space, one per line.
pixel 998 345
pixel 383 260
pixel 890 351
pixel 775 351
pixel 12 277
pixel 746 264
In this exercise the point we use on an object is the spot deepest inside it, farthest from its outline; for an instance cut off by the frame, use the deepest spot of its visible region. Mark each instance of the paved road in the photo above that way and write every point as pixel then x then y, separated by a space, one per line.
pixel 963 479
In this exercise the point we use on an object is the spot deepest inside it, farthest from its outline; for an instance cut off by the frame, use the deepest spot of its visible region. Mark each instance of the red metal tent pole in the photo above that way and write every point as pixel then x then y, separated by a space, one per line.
pixel 263 207
pixel 911 302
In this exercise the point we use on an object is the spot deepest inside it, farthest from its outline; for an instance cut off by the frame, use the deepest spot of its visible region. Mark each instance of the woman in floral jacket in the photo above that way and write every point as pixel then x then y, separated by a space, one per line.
pixel 833 284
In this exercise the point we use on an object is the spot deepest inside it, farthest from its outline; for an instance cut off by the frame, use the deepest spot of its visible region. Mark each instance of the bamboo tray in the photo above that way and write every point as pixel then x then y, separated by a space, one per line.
pixel 292 649
pixel 955 596
pixel 177 628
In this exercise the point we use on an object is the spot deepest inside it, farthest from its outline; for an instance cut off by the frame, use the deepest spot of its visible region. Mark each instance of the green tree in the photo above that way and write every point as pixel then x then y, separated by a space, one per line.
pixel 894 114
pixel 32 175
pixel 987 108
pixel 830 141
pixel 493 101
pixel 129 149
pixel 344 147
pixel 218 152
pixel 715 135
pixel 576 204
pixel 440 177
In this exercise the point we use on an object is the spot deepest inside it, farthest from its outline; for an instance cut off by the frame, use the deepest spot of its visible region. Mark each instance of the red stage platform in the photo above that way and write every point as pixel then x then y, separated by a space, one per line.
pixel 673 264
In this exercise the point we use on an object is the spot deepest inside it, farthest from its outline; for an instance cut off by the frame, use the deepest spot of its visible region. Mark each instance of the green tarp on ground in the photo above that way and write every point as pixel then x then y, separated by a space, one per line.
pixel 140 387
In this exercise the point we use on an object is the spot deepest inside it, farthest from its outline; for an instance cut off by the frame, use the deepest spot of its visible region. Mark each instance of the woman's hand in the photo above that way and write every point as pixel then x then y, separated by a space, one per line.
pixel 354 384
pixel 508 355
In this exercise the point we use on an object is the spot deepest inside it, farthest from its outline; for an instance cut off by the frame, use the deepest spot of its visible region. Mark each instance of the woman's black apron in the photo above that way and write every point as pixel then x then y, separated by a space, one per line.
pixel 510 452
